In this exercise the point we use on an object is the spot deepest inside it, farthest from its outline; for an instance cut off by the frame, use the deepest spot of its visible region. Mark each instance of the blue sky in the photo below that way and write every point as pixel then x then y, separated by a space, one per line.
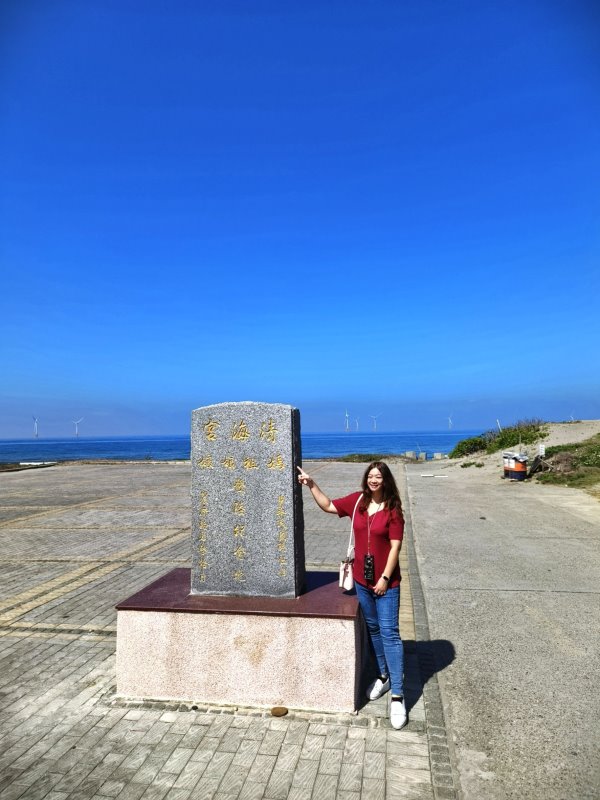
pixel 388 207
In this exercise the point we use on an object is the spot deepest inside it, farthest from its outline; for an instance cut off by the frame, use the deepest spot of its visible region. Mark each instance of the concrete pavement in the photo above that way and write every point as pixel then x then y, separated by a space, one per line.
pixel 511 576
pixel 74 540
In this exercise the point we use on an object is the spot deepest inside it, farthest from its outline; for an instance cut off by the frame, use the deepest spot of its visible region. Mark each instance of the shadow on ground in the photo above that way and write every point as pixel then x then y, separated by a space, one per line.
pixel 422 660
pixel 426 659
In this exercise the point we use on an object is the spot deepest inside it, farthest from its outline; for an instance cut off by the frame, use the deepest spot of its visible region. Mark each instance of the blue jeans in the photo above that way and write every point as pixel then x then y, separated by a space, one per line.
pixel 381 617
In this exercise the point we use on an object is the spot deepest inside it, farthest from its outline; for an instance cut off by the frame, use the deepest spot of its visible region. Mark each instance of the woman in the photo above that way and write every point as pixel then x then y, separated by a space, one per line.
pixel 378 531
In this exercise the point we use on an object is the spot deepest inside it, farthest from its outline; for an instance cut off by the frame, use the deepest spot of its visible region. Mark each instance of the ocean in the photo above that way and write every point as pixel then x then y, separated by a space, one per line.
pixel 174 448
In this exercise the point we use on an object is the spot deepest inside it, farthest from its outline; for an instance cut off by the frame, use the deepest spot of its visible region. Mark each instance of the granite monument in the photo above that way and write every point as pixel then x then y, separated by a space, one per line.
pixel 247 518
pixel 246 625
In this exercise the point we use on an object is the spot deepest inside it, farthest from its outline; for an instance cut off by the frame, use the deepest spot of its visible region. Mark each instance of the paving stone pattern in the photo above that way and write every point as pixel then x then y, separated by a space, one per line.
pixel 74 540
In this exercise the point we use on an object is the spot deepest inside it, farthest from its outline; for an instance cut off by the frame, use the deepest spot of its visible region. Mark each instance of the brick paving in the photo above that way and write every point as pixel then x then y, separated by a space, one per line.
pixel 74 540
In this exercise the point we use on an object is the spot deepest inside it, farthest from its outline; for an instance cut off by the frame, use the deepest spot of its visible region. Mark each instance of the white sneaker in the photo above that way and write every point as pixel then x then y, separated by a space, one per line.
pixel 377 688
pixel 398 713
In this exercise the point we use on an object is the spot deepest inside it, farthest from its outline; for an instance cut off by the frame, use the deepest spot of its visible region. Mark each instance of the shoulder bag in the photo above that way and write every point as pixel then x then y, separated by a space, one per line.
pixel 347 565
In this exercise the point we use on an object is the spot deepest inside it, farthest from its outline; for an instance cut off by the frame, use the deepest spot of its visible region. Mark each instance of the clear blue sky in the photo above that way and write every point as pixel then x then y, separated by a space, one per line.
pixel 387 207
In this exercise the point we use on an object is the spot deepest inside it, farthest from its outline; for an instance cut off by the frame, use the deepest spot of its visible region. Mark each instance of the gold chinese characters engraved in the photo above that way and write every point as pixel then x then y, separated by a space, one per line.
pixel 239 576
pixel 239 552
pixel 239 531
pixel 282 536
pixel 276 463
pixel 240 431
pixel 239 485
pixel 203 526
pixel 228 462
pixel 238 508
pixel 210 429
pixel 250 463
pixel 206 462
pixel 268 431
pixel 204 502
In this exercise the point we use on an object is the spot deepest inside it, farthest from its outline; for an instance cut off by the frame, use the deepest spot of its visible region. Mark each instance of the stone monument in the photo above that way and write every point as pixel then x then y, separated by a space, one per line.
pixel 246 625
pixel 247 520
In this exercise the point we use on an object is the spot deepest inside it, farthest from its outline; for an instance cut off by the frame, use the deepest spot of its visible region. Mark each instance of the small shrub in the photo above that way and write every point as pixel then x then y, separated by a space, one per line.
pixel 589 458
pixel 574 464
pixel 467 446
pixel 366 458
pixel 527 431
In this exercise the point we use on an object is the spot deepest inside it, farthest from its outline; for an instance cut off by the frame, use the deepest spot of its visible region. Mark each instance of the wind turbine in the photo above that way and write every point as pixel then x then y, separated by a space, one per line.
pixel 374 418
pixel 347 421
pixel 450 423
pixel 76 423
pixel 35 427
pixel 499 426
pixel 356 420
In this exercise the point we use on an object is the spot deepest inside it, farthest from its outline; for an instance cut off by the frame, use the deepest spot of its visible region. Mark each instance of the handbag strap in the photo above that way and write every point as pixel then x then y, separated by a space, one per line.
pixel 351 542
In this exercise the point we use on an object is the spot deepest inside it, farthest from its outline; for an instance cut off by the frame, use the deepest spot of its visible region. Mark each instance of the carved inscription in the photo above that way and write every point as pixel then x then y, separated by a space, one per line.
pixel 248 513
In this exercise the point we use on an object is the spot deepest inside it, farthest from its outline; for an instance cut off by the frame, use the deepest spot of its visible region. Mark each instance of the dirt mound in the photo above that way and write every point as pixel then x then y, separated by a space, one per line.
pixel 571 432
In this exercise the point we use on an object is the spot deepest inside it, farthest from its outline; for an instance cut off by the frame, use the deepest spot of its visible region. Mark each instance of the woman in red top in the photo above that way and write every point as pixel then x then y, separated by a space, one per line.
pixel 378 531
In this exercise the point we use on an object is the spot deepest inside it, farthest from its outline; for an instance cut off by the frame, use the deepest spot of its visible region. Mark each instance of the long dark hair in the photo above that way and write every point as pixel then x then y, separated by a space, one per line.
pixel 391 495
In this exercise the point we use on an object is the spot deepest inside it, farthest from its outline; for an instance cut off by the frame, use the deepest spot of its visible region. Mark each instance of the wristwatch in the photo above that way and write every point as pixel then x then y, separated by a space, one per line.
pixel 385 578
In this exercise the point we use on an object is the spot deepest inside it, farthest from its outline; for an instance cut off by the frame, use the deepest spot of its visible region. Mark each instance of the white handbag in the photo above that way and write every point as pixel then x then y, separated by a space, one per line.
pixel 347 565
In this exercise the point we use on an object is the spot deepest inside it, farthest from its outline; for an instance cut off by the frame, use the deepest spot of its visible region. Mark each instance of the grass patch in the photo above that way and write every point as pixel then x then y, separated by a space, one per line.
pixel 365 458
pixel 526 431
pixel 475 444
pixel 573 464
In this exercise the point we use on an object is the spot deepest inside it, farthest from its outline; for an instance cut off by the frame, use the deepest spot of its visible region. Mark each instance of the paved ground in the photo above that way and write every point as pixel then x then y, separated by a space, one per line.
pixel 500 623
pixel 75 540
pixel 511 577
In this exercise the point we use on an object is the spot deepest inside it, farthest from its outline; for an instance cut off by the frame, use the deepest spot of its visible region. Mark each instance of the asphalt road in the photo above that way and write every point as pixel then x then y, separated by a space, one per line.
pixel 511 577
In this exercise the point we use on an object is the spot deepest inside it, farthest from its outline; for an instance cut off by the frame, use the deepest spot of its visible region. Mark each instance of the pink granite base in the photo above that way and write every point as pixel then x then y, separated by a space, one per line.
pixel 256 652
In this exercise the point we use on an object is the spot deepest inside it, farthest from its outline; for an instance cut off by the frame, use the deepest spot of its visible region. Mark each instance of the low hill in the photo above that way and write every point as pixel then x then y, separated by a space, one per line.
pixel 572 455
pixel 560 433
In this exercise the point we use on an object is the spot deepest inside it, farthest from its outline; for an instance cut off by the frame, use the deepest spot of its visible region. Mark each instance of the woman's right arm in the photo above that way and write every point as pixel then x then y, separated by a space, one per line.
pixel 321 498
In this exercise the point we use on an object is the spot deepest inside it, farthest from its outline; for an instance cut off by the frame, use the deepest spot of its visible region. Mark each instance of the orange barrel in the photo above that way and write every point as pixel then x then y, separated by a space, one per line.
pixel 519 470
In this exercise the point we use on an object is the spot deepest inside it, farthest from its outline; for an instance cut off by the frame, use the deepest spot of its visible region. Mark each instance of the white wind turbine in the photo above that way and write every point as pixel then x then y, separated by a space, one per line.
pixel 450 423
pixel 347 421
pixel 374 418
pixel 356 421
pixel 35 427
pixel 76 423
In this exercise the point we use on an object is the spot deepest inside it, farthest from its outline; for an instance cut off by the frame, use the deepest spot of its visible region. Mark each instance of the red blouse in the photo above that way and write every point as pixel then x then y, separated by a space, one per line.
pixel 385 526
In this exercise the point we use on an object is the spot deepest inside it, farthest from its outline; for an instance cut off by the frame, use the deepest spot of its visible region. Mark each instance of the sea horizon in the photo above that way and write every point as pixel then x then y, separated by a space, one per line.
pixel 176 447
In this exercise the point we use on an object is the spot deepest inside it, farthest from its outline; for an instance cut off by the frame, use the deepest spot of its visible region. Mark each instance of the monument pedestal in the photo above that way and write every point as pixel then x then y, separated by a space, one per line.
pixel 305 653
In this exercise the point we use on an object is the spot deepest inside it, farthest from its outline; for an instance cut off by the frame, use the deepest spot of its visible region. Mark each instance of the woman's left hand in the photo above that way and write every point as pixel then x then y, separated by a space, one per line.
pixel 380 587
